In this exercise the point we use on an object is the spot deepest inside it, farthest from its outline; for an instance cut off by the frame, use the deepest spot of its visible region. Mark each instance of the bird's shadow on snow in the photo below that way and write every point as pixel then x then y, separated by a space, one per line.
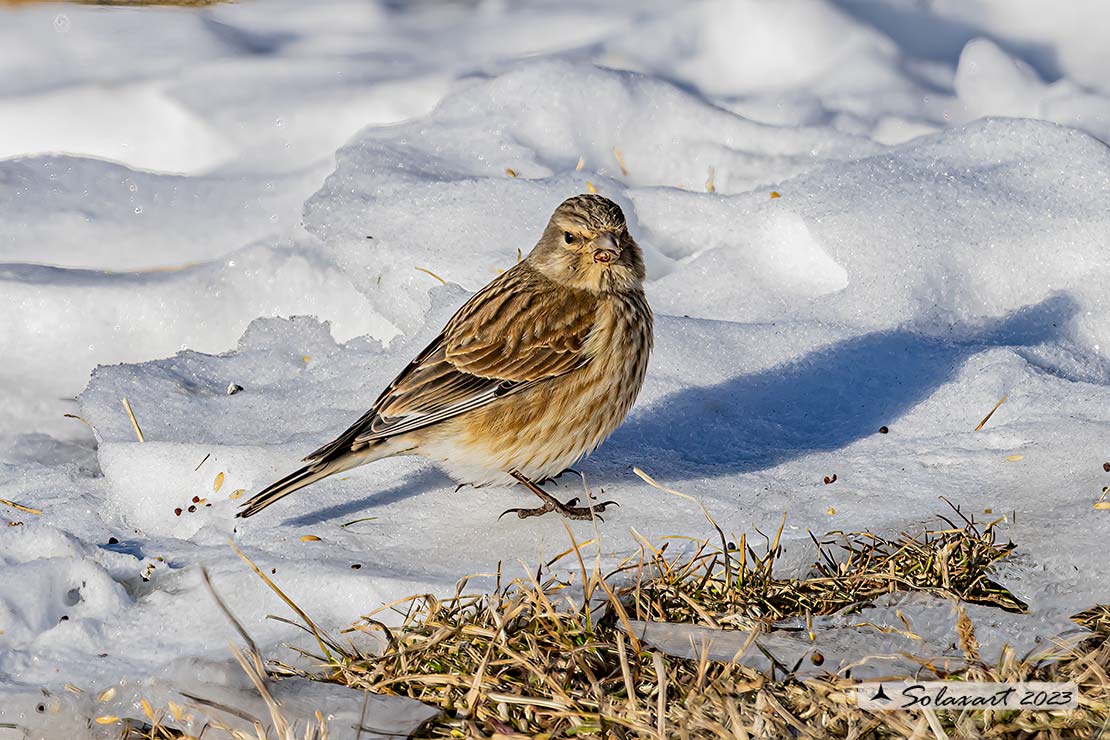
pixel 823 401
pixel 424 481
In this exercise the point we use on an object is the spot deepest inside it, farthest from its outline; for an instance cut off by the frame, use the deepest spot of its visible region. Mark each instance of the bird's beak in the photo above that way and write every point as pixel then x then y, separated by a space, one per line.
pixel 605 249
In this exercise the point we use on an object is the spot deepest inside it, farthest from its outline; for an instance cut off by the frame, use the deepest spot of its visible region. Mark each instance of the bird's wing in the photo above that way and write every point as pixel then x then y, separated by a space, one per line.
pixel 519 330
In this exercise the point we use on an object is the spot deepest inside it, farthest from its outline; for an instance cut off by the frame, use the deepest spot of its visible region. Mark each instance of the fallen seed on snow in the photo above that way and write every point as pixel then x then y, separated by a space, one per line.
pixel 1015 458
pixel 309 538
pixel 218 482
pixel 233 388
pixel 237 493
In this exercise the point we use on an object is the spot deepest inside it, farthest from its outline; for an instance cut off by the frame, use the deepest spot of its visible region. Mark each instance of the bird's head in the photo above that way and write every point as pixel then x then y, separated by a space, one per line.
pixel 586 245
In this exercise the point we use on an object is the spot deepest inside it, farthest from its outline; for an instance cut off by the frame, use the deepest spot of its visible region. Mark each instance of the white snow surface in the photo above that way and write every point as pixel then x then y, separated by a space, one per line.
pixel 855 214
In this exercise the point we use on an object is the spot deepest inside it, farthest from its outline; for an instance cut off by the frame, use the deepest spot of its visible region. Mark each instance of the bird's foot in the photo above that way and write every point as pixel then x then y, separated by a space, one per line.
pixel 550 504
pixel 569 510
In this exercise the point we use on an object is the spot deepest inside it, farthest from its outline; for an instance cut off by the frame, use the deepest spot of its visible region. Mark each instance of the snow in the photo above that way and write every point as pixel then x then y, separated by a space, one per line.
pixel 907 223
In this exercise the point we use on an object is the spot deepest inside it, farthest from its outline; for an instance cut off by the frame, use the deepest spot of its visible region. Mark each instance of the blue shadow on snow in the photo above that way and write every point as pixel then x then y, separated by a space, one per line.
pixel 823 401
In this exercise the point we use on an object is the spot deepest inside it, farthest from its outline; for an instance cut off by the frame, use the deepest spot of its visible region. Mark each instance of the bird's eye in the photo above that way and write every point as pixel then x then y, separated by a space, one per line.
pixel 568 237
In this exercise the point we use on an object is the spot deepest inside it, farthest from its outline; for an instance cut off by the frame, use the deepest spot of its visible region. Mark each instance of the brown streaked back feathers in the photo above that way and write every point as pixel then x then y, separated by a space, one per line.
pixel 479 358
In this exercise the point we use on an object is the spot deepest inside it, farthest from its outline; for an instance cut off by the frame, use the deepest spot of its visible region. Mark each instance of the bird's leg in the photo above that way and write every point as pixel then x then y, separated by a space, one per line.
pixel 550 503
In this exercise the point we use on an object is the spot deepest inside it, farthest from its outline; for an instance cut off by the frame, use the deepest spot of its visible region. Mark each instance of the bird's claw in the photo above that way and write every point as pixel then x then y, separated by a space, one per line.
pixel 569 510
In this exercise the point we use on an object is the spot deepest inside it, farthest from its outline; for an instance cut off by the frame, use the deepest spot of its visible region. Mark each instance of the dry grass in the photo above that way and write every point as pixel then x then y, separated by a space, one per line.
pixel 547 656
pixel 550 655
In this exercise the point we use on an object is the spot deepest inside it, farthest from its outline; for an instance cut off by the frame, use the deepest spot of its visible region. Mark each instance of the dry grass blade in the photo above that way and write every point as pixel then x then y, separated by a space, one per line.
pixel 134 421
pixel 990 413
pixel 316 632
pixel 20 507
pixel 617 155
pixel 429 272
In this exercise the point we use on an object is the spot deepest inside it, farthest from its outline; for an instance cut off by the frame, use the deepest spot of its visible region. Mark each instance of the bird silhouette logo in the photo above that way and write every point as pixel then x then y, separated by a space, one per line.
pixel 880 695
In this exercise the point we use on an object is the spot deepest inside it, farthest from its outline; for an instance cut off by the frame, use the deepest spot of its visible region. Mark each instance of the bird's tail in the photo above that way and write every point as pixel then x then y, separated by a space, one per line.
pixel 307 475
pixel 282 488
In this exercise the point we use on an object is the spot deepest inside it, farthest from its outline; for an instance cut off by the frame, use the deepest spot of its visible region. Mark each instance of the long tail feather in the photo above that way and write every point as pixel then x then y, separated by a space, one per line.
pixel 314 471
pixel 281 488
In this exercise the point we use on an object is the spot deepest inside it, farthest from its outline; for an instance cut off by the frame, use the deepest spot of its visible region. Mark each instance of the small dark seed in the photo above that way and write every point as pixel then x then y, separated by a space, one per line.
pixel 196 499
pixel 883 430
pixel 731 546
pixel 356 566
pixel 817 658
pixel 192 508
pixel 273 571
pixel 830 479
pixel 113 541
pixel 1106 466
pixel 40 708
pixel 177 511
pixel 64 618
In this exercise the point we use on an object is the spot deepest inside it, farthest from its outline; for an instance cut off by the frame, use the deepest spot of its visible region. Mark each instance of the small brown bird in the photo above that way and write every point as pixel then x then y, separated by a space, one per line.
pixel 534 371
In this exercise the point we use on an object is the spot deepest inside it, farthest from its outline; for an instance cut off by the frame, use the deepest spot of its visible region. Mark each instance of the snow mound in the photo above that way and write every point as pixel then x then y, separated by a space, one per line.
pixel 92 317
pixel 83 213
pixel 943 232
pixel 729 47
pixel 461 197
